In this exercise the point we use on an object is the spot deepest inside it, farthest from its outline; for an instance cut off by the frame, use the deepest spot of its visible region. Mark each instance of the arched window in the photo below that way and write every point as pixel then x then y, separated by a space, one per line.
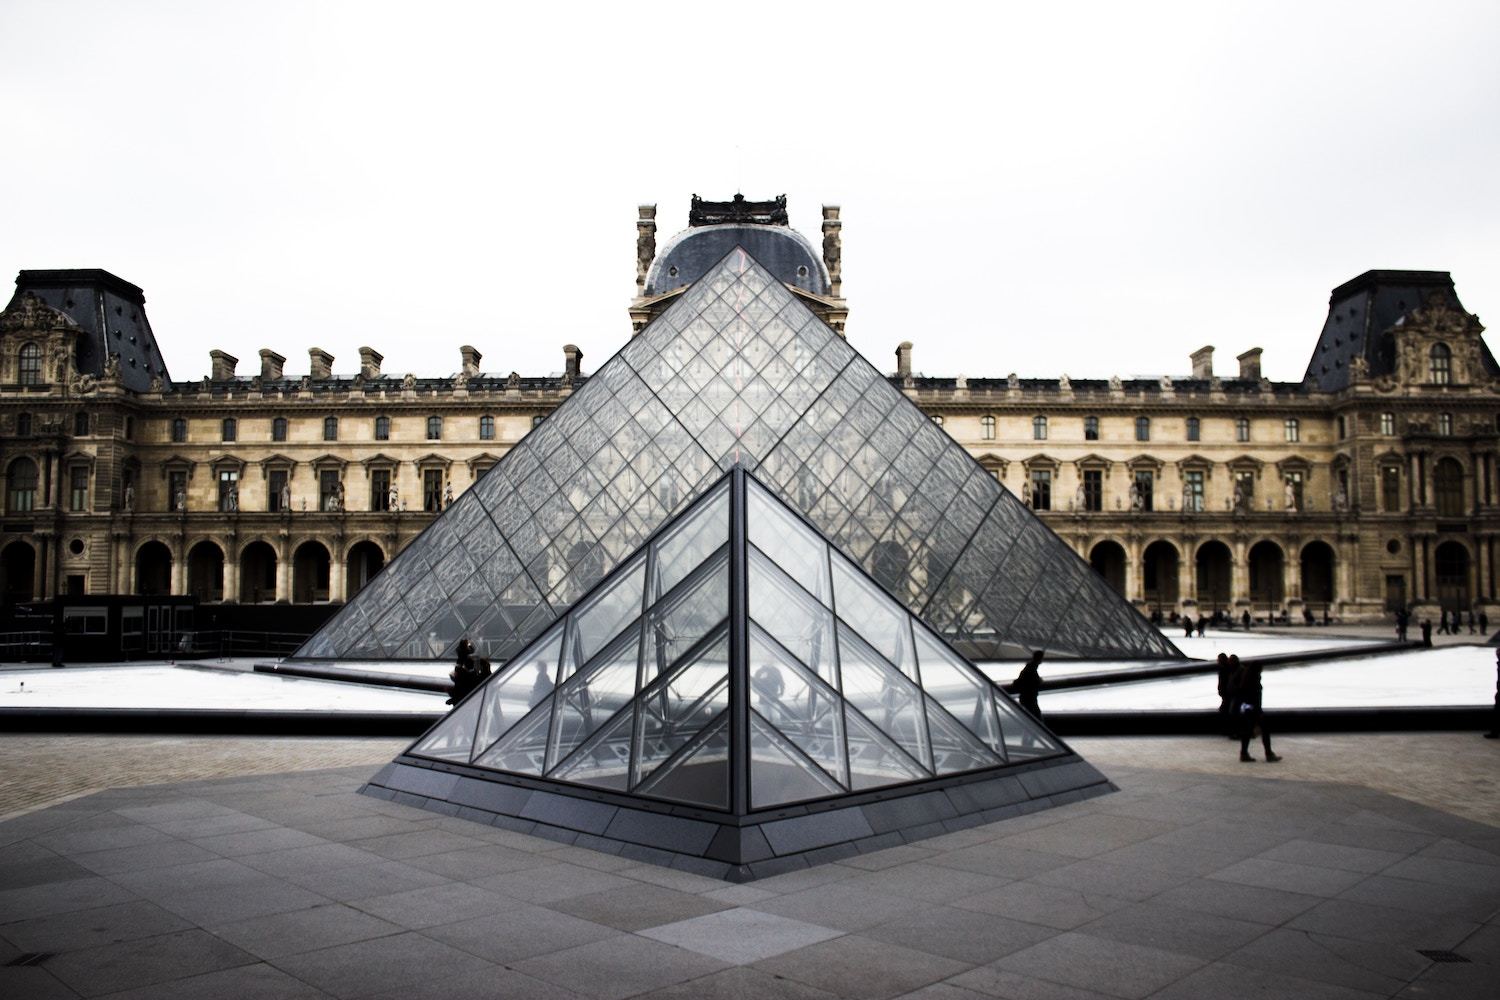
pixel 1038 428
pixel 179 430
pixel 486 428
pixel 1194 428
pixel 1448 487
pixel 1143 428
pixel 434 428
pixel 1440 365
pixel 21 487
pixel 278 428
pixel 1091 428
pixel 330 428
pixel 230 429
pixel 29 364
pixel 1445 424
pixel 382 428
pixel 1242 429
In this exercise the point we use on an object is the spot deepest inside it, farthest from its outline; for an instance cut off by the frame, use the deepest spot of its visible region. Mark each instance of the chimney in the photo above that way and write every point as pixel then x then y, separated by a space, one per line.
pixel 369 362
pixel 645 245
pixel 833 249
pixel 1250 365
pixel 470 356
pixel 1203 362
pixel 221 365
pixel 319 363
pixel 572 362
pixel 903 361
pixel 270 364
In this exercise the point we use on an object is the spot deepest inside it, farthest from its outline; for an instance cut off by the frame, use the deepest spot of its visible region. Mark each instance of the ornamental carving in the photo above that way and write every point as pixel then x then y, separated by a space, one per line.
pixel 31 313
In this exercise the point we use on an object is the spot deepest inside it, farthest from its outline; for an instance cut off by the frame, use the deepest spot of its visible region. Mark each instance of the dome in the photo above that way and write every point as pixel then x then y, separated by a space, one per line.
pixel 784 252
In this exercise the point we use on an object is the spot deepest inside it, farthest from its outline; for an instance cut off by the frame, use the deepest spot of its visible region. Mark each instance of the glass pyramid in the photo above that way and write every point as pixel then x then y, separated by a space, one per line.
pixel 737 663
pixel 737 371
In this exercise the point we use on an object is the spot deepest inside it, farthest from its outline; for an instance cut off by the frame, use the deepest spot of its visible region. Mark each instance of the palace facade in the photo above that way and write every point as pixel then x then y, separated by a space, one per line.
pixel 1370 484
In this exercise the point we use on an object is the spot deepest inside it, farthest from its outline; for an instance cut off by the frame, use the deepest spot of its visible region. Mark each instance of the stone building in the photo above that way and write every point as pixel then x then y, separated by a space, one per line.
pixel 1370 483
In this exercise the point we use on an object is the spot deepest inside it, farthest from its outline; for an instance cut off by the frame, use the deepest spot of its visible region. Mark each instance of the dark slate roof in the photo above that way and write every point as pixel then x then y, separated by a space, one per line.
pixel 111 313
pixel 784 252
pixel 1361 313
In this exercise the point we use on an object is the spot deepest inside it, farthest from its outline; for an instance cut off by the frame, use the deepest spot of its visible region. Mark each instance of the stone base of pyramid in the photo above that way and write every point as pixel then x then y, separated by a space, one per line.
pixel 737 849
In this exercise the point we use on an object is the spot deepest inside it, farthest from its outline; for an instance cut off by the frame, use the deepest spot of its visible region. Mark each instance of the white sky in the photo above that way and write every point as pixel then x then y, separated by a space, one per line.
pixel 1038 188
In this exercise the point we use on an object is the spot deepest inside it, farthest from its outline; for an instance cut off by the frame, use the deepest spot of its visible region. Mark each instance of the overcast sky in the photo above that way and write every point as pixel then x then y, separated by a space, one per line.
pixel 1038 188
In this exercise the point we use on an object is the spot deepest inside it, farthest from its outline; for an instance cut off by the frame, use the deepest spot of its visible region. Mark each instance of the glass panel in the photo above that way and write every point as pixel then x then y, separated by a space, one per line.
pixel 605 760
pixel 675 710
pixel 1023 739
pixel 883 695
pixel 874 615
pixel 789 543
pixel 790 614
pixel 607 612
pixel 588 700
pixel 453 737
pixel 778 773
pixel 523 750
pixel 873 759
pixel 524 684
pixel 700 775
pixel 690 543
pixel 802 708
pixel 954 748
pixel 674 626
pixel 957 687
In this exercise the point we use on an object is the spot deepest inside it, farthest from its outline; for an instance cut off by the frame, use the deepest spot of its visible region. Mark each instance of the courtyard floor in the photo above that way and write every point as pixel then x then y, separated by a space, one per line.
pixel 255 871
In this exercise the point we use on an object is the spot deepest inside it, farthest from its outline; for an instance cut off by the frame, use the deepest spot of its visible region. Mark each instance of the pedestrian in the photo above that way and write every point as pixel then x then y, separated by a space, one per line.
pixel 1427 632
pixel 1202 625
pixel 1187 626
pixel 1484 622
pixel 1443 623
pixel 1403 619
pixel 1226 690
pixel 1494 733
pixel 1471 621
pixel 465 676
pixel 1245 619
pixel 1249 712
pixel 1028 684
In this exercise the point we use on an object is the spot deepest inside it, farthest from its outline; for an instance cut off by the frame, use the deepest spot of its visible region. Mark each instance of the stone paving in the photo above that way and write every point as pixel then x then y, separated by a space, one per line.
pixel 1182 885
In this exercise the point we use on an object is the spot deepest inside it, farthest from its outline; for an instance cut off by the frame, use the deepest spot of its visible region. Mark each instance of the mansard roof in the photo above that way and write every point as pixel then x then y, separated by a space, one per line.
pixel 111 313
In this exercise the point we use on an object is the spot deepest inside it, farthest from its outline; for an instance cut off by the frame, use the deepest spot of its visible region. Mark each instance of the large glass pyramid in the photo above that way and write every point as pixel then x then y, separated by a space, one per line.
pixel 737 667
pixel 737 371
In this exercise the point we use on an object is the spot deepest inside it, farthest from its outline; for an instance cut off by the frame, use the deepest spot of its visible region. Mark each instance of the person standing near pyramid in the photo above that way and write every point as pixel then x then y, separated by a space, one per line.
pixel 1028 684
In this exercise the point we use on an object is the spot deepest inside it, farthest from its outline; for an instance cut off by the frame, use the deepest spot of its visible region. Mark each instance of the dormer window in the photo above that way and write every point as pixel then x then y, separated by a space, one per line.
pixel 1440 365
pixel 29 364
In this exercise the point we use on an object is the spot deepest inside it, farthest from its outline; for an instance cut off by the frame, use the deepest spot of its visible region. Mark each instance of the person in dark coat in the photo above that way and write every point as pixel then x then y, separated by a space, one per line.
pixel 465 676
pixel 1245 619
pixel 1187 626
pixel 1226 689
pixel 1443 623
pixel 1202 626
pixel 1427 631
pixel 1484 623
pixel 1494 733
pixel 1471 621
pixel 1403 621
pixel 1249 714
pixel 1028 684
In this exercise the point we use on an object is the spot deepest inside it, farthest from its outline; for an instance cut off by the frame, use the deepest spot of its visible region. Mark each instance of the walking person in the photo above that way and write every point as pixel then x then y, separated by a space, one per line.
pixel 1471 621
pixel 1187 626
pixel 1427 632
pixel 1202 625
pixel 1028 684
pixel 1484 623
pixel 1443 623
pixel 1249 712
pixel 1245 619
pixel 1226 691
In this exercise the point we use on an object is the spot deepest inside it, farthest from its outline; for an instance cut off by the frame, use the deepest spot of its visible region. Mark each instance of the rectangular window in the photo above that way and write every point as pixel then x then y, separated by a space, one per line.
pixel 987 427
pixel 80 424
pixel 177 491
pixel 1145 489
pixel 328 489
pixel 1093 489
pixel 230 429
pixel 1194 429
pixel 78 488
pixel 432 490
pixel 1342 431
pixel 1293 429
pixel 1041 489
pixel 380 489
pixel 278 429
pixel 1143 428
pixel 1390 489
pixel 1091 428
pixel 1244 489
pixel 1242 429
pixel 1039 428
pixel 486 428
pixel 1388 424
pixel 229 486
pixel 275 484
pixel 1192 492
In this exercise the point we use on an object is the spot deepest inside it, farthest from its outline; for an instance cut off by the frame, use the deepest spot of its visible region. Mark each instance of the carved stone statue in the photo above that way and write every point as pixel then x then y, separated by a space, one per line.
pixel 232 499
pixel 513 381
pixel 1166 383
pixel 158 384
pixel 1080 498
pixel 1239 494
pixel 1136 500
pixel 409 382
pixel 1187 498
pixel 112 366
pixel 338 495
pixel 1026 494
pixel 1115 385
pixel 1013 381
pixel 447 496
pixel 1340 498
pixel 1065 384
pixel 395 500
pixel 179 501
pixel 129 499
pixel 1290 494
pixel 286 498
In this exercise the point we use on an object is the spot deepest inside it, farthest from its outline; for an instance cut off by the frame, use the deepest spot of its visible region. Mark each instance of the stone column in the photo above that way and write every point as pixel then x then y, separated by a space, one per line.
pixel 336 574
pixel 231 571
pixel 1135 572
pixel 1186 571
pixel 1239 574
pixel 283 570
pixel 179 568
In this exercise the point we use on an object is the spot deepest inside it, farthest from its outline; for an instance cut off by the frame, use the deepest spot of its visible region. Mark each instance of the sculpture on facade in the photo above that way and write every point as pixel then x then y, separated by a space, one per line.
pixel 447 495
pixel 1080 498
pixel 232 499
pixel 395 498
pixel 179 501
pixel 1240 496
pixel 1026 494
pixel 1136 500
pixel 129 499
pixel 286 498
pixel 1290 493
pixel 1188 506
pixel 338 495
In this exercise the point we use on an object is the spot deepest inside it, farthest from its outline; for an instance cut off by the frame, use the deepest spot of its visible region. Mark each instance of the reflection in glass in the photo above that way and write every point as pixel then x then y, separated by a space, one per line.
pixel 678 707
pixel 778 773
pixel 592 696
pixel 883 695
pixel 787 541
pixel 790 614
pixel 797 704
pixel 886 626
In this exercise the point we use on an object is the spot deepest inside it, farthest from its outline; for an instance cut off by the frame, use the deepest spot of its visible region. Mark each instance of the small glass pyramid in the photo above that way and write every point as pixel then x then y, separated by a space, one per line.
pixel 736 371
pixel 738 662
